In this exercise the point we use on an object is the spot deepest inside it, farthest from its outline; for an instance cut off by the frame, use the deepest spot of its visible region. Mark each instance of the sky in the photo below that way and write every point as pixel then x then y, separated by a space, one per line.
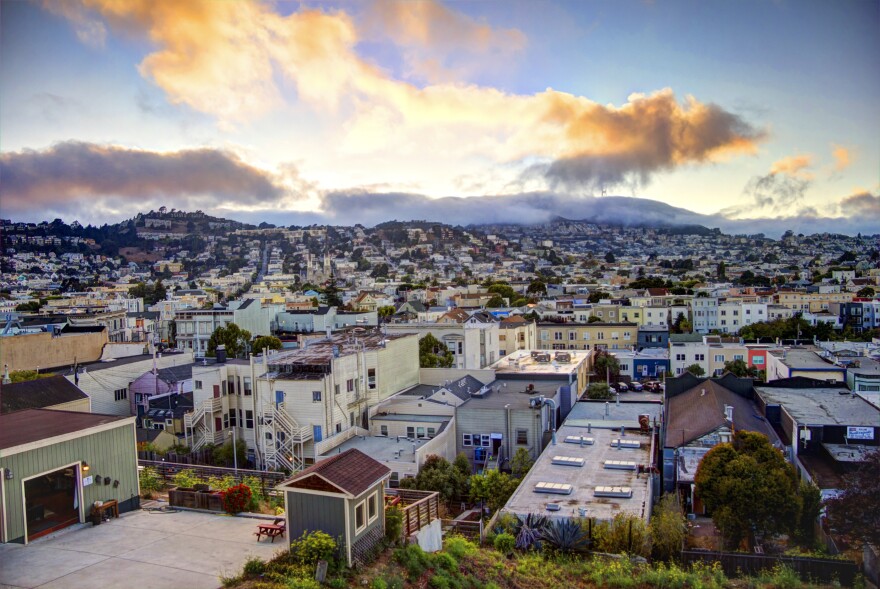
pixel 747 114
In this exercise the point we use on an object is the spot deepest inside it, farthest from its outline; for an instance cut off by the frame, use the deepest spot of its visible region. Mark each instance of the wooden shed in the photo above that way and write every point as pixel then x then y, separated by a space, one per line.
pixel 342 496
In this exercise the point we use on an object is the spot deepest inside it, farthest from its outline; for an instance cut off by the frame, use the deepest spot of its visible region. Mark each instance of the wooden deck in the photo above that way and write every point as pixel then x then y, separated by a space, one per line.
pixel 419 508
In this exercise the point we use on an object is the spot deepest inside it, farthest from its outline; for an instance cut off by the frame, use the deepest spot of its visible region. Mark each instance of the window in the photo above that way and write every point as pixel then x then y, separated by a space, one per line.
pixel 232 420
pixel 737 356
pixel 600 335
pixel 522 437
pixel 485 440
pixel 557 335
pixel 572 335
pixel 432 432
pixel 383 430
pixel 371 378
pixel 198 385
pixel 719 357
pixel 467 440
pixel 410 431
pixel 360 520
pixel 249 419
pixel 225 421
pixel 338 428
pixel 758 360
pixel 420 432
pixel 223 386
pixel 627 334
pixel 699 357
pixel 336 389
pixel 248 391
pixel 586 335
pixel 373 507
pixel 624 367
pixel 316 396
pixel 120 394
pixel 349 385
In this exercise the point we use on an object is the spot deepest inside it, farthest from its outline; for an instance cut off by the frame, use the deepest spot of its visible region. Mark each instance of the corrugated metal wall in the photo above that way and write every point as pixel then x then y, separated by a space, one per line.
pixel 110 453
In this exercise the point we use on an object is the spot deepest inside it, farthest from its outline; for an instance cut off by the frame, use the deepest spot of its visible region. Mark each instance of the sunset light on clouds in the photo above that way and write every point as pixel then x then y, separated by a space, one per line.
pixel 280 110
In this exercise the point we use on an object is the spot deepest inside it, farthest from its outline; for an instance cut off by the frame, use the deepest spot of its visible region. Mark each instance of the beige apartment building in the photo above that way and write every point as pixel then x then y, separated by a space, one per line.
pixel 587 336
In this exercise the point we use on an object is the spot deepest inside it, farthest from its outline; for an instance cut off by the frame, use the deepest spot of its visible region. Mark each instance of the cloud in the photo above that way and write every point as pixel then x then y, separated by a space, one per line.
pixel 795 166
pixel 89 30
pixel 440 45
pixel 842 157
pixel 862 204
pixel 77 176
pixel 223 58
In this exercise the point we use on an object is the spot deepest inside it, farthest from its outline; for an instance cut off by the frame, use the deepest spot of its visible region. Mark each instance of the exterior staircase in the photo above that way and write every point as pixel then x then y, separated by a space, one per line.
pixel 281 438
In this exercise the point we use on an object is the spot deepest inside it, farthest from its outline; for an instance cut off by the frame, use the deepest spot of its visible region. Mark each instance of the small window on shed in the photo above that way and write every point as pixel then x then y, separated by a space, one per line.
pixel 372 507
pixel 360 520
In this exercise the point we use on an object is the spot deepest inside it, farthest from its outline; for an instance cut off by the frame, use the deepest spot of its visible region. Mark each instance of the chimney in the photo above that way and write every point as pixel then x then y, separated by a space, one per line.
pixel 221 354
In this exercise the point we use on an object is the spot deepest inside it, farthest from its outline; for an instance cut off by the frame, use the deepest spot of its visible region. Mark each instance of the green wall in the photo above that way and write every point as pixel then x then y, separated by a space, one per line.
pixel 110 453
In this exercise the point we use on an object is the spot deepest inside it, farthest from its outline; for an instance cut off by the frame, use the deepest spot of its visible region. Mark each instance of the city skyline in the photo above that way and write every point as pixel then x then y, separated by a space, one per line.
pixel 333 113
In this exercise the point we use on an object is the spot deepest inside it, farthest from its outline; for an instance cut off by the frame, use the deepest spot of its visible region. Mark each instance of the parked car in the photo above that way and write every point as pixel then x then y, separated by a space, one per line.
pixel 622 387
pixel 636 386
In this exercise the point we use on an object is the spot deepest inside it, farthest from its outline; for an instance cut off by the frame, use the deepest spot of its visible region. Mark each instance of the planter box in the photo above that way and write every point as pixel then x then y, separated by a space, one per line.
pixel 183 497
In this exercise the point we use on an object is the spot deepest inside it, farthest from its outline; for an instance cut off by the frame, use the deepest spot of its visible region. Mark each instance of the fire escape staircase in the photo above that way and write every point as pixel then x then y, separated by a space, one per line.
pixel 282 439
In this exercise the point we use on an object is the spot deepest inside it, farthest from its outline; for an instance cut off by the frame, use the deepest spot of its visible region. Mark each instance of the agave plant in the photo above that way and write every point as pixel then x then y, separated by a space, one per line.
pixel 566 535
pixel 530 531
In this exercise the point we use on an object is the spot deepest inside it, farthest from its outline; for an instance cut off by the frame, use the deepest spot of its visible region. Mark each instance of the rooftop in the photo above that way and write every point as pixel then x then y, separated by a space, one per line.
pixel 340 344
pixel 39 393
pixel 34 425
pixel 822 406
pixel 385 449
pixel 800 358
pixel 561 362
pixel 351 471
pixel 584 479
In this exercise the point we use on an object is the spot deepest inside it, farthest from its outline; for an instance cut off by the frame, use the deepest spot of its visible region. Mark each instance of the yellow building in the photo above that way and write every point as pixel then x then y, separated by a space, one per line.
pixel 587 336
pixel 811 301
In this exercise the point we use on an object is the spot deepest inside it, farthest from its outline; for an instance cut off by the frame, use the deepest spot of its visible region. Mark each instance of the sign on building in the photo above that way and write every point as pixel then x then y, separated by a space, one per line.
pixel 859 433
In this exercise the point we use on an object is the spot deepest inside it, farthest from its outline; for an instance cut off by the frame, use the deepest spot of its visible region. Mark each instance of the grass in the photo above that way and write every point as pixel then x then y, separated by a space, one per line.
pixel 464 565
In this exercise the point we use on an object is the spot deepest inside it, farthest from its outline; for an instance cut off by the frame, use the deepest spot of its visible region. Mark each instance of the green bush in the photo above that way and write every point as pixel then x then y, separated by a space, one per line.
pixel 378 584
pixel 413 559
pixel 504 543
pixel 150 481
pixel 394 524
pixel 186 479
pixel 303 583
pixel 627 533
pixel 460 547
pixel 254 566
pixel 445 561
pixel 313 546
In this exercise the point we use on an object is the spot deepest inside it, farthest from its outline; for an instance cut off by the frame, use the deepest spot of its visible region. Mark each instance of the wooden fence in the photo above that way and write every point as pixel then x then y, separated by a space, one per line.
pixel 469 529
pixel 167 470
pixel 821 570
pixel 419 508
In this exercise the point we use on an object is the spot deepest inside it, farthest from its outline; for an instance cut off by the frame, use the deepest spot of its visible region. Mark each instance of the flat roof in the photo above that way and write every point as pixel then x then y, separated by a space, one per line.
pixel 34 425
pixel 801 358
pixel 515 393
pixel 522 362
pixel 625 413
pixel 340 344
pixel 584 479
pixel 822 406
pixel 411 417
pixel 382 449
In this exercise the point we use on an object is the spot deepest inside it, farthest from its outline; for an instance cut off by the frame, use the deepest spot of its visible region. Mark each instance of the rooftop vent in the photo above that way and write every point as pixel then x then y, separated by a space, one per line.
pixel 620 492
pixel 620 465
pixel 553 488
pixel 553 507
pixel 567 461
pixel 631 444
pixel 578 440
pixel 562 356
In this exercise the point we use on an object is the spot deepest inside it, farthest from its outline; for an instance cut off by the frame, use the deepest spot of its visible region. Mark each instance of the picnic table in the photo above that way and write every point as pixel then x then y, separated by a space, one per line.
pixel 270 531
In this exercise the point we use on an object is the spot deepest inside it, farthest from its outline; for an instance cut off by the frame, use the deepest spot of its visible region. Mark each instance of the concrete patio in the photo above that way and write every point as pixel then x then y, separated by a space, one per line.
pixel 148 550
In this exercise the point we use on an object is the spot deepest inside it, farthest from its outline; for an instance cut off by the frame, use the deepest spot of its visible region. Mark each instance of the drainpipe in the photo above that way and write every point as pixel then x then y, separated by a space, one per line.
pixel 509 449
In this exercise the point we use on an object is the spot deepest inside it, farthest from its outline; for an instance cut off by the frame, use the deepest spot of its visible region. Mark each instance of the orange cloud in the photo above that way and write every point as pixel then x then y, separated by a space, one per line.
pixel 842 157
pixel 795 166
pixel 222 58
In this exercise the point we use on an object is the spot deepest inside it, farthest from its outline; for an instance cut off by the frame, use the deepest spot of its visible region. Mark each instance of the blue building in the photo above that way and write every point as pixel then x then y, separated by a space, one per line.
pixel 653 336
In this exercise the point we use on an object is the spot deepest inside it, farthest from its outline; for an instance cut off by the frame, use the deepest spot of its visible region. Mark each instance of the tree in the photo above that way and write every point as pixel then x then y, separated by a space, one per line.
pixel 681 324
pixel 537 287
pixel 434 354
pixel 738 367
pixel 29 307
pixel 594 319
pixel 748 486
pixel 609 258
pixel 493 488
pixel 598 295
pixel 668 528
pixel 385 312
pixel 495 302
pixel 606 366
pixel 223 454
pixel 266 341
pixel 598 390
pixel 233 337
pixel 437 474
pixel 856 511
pixel 696 370
pixel 521 463
pixel 722 270
pixel 865 293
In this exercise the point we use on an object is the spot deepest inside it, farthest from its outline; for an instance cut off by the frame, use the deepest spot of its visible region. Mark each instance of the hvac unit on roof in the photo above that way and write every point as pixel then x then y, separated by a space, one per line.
pixel 578 440
pixel 628 444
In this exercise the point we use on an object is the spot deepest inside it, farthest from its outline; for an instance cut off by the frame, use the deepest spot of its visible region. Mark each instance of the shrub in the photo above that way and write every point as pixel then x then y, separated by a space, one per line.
pixel 236 499
pixel 445 561
pixel 626 533
pixel 413 559
pixel 312 547
pixel 394 524
pixel 378 584
pixel 566 535
pixel 505 543
pixel 668 528
pixel 254 566
pixel 530 531
pixel 302 583
pixel 186 479
pixel 460 547
pixel 150 481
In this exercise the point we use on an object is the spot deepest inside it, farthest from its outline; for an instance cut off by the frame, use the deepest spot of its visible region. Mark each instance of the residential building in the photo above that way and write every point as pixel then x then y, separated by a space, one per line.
pixel 587 336
pixel 53 392
pixel 686 350
pixel 474 343
pixel 791 362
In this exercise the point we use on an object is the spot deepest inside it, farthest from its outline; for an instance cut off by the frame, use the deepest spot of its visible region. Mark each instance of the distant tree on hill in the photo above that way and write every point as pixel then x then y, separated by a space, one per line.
pixel 234 338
